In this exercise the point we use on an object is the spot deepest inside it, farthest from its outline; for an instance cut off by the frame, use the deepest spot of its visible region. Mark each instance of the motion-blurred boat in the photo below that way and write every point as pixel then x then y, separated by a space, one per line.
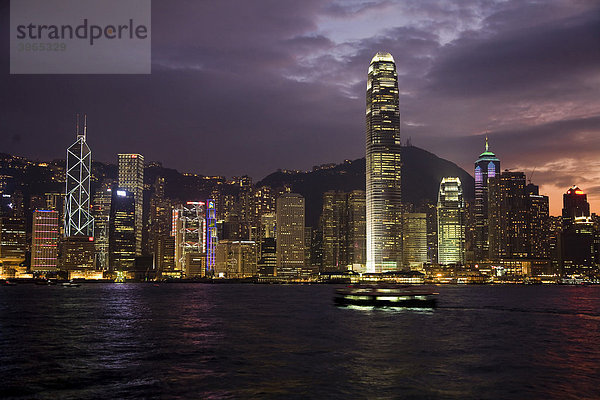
pixel 385 296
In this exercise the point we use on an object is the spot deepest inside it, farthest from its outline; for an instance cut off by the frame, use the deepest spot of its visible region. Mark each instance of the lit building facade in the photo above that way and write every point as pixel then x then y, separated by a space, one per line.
pixel 357 229
pixel 122 235
pixel 415 239
pixel 343 227
pixel 13 245
pixel 78 219
pixel 211 236
pixel 508 224
pixel 159 235
pixel 578 234
pixel 383 167
pixel 487 166
pixel 538 223
pixel 236 259
pixel 451 222
pixel 101 212
pixel 131 178
pixel 44 241
pixel 290 235
pixel 77 254
pixel 190 237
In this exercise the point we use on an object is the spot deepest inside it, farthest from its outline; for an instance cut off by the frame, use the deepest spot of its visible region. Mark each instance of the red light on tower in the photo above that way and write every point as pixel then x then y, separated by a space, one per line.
pixel 91 238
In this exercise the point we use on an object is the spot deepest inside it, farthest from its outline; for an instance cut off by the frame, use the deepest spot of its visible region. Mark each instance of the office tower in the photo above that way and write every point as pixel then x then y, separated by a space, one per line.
pixel 554 239
pixel 189 224
pixel 267 262
pixel 309 269
pixel 101 211
pixel 54 201
pixel 44 241
pixel 575 205
pixel 577 237
pixel 357 229
pixel 290 235
pixel 451 226
pixel 267 225
pixel 245 208
pixel 538 215
pixel 334 221
pixel 383 167
pixel 538 231
pixel 343 227
pixel 211 236
pixel 159 227
pixel 507 206
pixel 264 201
pixel 415 239
pixel 131 178
pixel 122 235
pixel 236 259
pixel 487 166
pixel 77 255
pixel 78 219
pixel 13 242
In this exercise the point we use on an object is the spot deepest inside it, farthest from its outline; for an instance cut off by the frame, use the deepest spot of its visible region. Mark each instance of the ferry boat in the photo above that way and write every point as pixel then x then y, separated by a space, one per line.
pixel 71 284
pixel 385 296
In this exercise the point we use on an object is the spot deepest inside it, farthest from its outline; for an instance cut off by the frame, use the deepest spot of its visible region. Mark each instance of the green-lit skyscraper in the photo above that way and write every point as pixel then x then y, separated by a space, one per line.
pixel 451 222
pixel 384 195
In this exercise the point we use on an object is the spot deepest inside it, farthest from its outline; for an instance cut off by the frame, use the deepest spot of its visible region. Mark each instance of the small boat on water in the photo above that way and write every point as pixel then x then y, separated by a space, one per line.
pixel 71 284
pixel 9 283
pixel 385 296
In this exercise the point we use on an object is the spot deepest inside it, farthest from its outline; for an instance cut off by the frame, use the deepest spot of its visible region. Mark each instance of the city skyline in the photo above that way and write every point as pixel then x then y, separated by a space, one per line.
pixel 521 71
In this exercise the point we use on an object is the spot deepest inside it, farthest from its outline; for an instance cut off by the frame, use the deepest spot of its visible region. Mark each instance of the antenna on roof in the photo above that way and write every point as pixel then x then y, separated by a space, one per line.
pixel 84 125
pixel 77 125
pixel 530 175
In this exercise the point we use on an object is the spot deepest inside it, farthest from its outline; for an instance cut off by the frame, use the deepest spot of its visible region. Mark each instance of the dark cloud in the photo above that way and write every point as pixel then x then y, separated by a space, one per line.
pixel 521 60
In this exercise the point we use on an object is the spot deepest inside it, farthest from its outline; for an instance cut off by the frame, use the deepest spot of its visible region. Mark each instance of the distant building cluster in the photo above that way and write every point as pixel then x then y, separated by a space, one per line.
pixel 129 225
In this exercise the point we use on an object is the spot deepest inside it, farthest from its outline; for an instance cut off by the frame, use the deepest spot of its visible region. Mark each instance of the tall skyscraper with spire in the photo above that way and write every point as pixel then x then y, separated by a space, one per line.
pixel 78 217
pixel 487 166
pixel 384 167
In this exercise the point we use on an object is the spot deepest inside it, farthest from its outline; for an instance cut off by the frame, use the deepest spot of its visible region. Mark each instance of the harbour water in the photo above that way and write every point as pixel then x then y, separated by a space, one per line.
pixel 198 341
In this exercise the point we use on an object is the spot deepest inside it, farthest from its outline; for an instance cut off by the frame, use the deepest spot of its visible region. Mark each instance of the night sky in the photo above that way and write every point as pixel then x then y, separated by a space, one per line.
pixel 246 87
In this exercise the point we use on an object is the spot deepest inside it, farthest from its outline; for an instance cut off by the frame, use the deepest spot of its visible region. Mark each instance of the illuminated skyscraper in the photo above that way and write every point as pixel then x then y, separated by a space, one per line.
pixel 211 236
pixel 13 241
pixel 508 216
pixel 236 259
pixel 577 237
pixel 122 230
pixel 343 229
pixel 334 222
pixel 44 241
pixel 487 166
pixel 415 239
pixel 383 161
pixel 78 219
pixel 290 235
pixel 190 242
pixel 575 205
pixel 159 229
pixel 101 211
pixel 451 222
pixel 131 178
